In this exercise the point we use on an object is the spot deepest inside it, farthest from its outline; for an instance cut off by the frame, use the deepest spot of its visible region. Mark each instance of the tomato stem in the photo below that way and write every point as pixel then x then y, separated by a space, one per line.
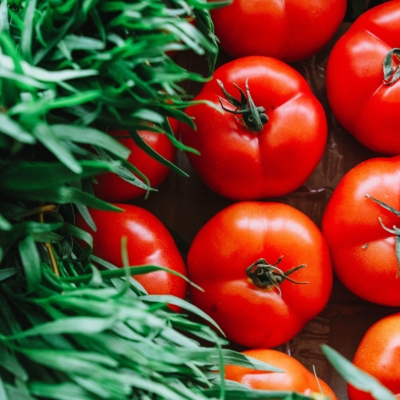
pixel 254 118
pixel 391 67
pixel 265 275
pixel 395 231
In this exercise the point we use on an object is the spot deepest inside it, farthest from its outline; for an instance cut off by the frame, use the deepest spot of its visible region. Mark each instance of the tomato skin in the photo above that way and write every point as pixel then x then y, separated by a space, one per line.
pixel 243 165
pixel 148 242
pixel 110 187
pixel 378 353
pixel 290 30
pixel 363 252
pixel 235 238
pixel 354 79
pixel 296 377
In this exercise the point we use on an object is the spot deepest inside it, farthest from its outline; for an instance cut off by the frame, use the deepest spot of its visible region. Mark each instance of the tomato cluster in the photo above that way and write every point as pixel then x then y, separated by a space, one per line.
pixel 265 267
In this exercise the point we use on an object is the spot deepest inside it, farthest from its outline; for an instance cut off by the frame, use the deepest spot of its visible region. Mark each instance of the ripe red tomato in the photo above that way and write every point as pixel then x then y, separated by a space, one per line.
pixel 244 258
pixel 244 157
pixel 378 354
pixel 111 187
pixel 296 377
pixel 363 251
pixel 148 242
pixel 289 30
pixel 363 99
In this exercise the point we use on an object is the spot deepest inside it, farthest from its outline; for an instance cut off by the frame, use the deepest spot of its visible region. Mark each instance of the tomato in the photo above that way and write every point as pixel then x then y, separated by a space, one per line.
pixel 364 99
pixel 290 30
pixel 246 258
pixel 378 354
pixel 113 188
pixel 246 160
pixel 363 251
pixel 148 242
pixel 296 377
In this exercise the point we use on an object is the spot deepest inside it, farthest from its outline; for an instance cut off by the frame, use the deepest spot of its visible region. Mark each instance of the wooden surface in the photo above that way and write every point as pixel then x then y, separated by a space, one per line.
pixel 186 204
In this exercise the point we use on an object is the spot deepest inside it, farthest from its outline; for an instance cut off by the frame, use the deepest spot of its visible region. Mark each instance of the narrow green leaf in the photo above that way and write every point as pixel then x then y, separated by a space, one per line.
pixel 53 39
pixel 121 272
pixel 28 176
pixel 10 363
pixel 46 237
pixel 92 136
pixel 69 361
pixel 246 393
pixel 8 47
pixel 74 42
pixel 31 263
pixel 71 325
pixel 234 358
pixel 8 322
pixel 83 210
pixel 97 280
pixel 4 25
pixel 6 273
pixel 149 115
pixel 126 171
pixel 144 146
pixel 4 224
pixel 50 76
pixel 24 82
pixel 46 136
pixel 356 377
pixel 75 99
pixel 11 128
pixel 3 393
pixel 137 287
pixel 26 228
pixel 60 391
pixel 167 299
pixel 103 388
pixel 18 393
pixel 64 195
pixel 205 25
pixel 27 35
pixel 161 389
pixel 78 233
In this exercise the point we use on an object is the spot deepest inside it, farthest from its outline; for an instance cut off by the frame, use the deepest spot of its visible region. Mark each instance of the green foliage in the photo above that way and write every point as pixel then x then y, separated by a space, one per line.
pixel 68 71
pixel 72 326
pixel 103 338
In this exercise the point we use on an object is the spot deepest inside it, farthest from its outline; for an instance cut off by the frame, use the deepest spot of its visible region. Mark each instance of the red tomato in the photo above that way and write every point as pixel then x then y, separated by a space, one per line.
pixel 236 160
pixel 148 242
pixel 289 30
pixel 363 252
pixel 378 354
pixel 235 259
pixel 295 377
pixel 358 93
pixel 112 188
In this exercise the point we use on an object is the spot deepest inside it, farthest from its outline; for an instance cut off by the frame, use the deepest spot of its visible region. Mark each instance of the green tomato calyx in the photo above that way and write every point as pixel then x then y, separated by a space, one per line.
pixel 265 275
pixel 395 231
pixel 254 118
pixel 391 67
